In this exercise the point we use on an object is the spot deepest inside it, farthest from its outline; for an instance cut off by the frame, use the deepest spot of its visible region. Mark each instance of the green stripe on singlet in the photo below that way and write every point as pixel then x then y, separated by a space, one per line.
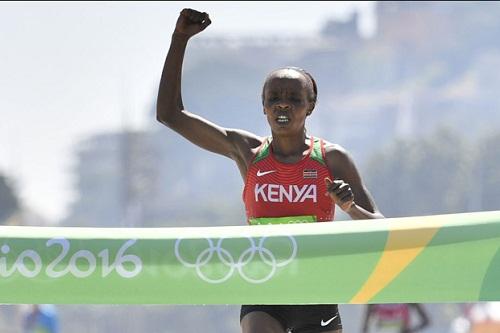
pixel 316 153
pixel 263 152
pixel 283 220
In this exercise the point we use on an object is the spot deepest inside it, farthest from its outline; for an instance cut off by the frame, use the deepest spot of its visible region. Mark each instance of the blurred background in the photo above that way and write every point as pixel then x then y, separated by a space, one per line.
pixel 411 89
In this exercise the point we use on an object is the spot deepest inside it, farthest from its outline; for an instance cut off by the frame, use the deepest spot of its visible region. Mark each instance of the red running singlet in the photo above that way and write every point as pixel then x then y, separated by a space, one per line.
pixel 392 317
pixel 277 192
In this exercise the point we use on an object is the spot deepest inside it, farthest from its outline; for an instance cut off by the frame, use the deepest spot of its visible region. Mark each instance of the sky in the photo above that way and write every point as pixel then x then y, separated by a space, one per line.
pixel 72 70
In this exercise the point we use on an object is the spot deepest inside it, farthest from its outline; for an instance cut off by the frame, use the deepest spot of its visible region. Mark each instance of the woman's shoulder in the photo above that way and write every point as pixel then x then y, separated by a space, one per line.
pixel 337 157
pixel 244 138
pixel 334 149
pixel 247 144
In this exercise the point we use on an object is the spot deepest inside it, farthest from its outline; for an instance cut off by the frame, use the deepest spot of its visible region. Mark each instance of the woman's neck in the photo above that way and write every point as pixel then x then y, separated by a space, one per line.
pixel 289 146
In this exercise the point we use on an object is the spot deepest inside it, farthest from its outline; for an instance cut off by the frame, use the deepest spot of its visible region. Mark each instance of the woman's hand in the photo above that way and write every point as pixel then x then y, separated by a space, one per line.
pixel 191 22
pixel 340 192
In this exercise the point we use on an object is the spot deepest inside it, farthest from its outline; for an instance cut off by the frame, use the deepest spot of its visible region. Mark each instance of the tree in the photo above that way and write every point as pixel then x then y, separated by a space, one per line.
pixel 488 177
pixel 9 202
pixel 420 177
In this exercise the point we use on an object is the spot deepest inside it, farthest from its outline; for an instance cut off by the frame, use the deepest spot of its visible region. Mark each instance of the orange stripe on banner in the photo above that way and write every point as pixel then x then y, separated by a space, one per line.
pixel 402 247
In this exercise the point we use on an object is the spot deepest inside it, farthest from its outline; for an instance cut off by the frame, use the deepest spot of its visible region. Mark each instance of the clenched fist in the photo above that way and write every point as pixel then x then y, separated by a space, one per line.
pixel 191 22
pixel 340 192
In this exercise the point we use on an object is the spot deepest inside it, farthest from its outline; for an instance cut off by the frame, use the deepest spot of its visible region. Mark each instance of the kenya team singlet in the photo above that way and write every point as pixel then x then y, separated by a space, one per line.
pixel 277 192
pixel 392 318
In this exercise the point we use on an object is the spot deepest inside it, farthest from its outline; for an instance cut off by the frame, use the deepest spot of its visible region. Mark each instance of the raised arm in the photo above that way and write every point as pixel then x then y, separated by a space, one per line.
pixel 234 144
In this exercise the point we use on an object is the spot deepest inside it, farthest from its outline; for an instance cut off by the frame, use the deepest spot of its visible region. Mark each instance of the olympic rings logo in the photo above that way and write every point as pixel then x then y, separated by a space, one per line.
pixel 218 252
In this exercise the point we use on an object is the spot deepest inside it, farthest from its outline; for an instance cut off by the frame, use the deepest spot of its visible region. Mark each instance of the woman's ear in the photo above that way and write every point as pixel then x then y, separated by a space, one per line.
pixel 311 108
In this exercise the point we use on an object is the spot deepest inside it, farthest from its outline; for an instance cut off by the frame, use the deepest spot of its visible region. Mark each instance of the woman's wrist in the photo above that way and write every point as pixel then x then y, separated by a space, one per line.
pixel 349 210
pixel 359 213
pixel 179 36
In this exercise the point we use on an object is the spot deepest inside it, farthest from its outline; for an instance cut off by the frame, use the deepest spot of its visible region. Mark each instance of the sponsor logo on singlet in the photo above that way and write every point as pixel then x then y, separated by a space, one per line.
pixel 263 173
pixel 285 193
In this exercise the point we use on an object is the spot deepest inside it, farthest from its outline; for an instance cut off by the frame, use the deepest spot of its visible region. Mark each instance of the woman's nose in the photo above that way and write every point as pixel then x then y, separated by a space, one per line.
pixel 282 105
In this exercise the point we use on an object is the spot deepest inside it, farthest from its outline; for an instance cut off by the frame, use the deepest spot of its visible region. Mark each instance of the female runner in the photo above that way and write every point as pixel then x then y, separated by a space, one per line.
pixel 289 176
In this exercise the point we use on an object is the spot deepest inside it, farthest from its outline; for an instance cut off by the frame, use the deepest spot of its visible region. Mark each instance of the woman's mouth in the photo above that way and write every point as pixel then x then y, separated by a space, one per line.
pixel 282 120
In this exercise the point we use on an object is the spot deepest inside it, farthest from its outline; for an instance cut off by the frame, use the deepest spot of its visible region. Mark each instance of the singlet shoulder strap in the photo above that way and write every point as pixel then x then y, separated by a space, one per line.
pixel 263 151
pixel 318 151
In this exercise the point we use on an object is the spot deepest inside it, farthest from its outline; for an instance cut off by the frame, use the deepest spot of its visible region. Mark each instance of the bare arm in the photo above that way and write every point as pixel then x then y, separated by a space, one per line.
pixel 347 189
pixel 424 319
pixel 234 144
pixel 368 312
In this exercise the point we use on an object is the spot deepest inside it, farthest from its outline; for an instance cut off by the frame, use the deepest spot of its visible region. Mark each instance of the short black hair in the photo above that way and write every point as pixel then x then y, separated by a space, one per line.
pixel 312 97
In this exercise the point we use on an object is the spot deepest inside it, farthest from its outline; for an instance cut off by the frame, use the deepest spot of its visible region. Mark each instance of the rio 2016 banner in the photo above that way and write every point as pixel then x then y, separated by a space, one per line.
pixel 442 258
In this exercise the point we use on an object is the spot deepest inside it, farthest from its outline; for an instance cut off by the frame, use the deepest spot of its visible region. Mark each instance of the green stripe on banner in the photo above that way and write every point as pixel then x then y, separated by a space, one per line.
pixel 442 258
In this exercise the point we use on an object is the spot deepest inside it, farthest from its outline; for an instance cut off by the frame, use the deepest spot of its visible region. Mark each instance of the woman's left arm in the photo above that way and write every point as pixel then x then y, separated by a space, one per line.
pixel 347 189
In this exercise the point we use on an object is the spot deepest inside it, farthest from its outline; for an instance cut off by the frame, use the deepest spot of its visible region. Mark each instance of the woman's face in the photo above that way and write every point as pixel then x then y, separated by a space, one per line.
pixel 286 101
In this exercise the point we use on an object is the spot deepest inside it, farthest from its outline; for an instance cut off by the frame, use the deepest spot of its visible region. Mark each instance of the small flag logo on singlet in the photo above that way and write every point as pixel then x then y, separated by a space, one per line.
pixel 310 173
